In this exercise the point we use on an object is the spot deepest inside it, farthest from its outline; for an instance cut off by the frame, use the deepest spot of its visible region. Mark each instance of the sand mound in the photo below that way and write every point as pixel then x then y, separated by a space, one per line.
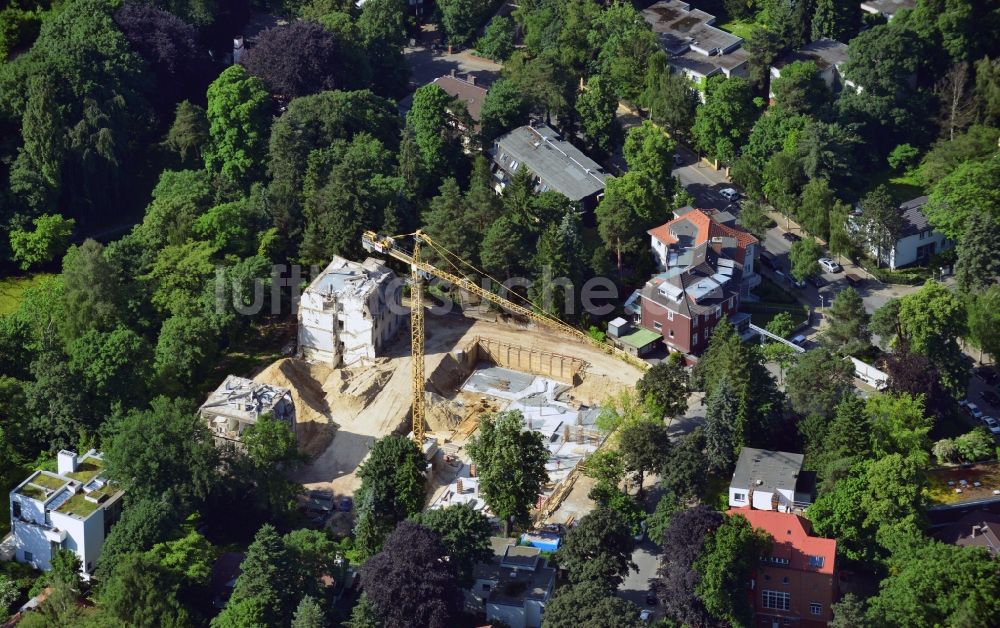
pixel 442 415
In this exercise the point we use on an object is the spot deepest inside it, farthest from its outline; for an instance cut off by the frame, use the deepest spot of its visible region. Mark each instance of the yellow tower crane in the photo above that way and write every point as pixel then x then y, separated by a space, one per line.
pixel 420 272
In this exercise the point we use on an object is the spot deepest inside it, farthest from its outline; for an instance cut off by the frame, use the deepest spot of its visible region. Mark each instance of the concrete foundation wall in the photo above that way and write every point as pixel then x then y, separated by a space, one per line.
pixel 561 368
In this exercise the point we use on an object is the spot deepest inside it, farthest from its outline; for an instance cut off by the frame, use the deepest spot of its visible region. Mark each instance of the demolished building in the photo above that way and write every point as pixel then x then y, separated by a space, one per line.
pixel 349 313
pixel 239 402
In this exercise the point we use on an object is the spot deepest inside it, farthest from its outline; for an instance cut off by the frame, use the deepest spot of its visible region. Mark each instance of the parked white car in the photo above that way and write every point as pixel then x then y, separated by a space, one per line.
pixel 829 265
pixel 729 194
pixel 992 424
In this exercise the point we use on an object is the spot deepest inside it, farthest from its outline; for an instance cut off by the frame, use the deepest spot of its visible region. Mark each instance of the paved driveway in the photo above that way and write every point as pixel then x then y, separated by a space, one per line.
pixel 701 180
pixel 427 64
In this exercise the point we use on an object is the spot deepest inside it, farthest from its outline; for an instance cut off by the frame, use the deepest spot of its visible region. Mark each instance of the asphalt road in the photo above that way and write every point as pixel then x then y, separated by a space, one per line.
pixel 701 180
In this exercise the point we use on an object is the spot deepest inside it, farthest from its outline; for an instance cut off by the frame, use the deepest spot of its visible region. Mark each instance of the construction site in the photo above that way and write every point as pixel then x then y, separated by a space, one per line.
pixel 473 367
pixel 354 381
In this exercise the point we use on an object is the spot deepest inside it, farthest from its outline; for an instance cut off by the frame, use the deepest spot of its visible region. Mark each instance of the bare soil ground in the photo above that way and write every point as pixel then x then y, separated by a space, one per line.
pixel 340 412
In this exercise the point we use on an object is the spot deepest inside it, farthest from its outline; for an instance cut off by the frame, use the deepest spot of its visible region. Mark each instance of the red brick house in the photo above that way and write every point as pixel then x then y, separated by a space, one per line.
pixel 797 583
pixel 707 265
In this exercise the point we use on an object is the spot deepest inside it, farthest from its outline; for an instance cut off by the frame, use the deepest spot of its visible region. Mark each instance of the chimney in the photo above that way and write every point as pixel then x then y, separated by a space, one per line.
pixel 472 78
pixel 66 462
pixel 452 73
pixel 238 46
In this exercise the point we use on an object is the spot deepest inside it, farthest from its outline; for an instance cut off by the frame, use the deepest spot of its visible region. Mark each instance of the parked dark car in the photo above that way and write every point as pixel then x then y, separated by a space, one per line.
pixel 791 237
pixel 991 398
pixel 344 505
pixel 853 280
pixel 987 375
pixel 817 281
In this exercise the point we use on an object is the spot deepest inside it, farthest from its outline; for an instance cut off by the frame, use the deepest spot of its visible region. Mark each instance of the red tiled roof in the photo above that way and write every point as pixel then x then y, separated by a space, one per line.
pixel 792 538
pixel 708 228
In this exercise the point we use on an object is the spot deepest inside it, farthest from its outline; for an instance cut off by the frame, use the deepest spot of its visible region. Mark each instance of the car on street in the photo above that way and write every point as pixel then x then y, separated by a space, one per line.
pixel 987 374
pixel 678 160
pixel 974 411
pixel 729 194
pixel 992 424
pixel 799 340
pixel 791 237
pixel 817 281
pixel 646 616
pixel 991 398
pixel 829 265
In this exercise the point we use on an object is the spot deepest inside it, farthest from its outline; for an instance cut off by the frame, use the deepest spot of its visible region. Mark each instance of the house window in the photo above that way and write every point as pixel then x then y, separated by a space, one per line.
pixel 778 600
pixel 671 332
pixel 923 234
pixel 718 312
pixel 739 497
pixel 670 315
pixel 784 580
pixel 657 325
pixel 815 608
pixel 17 509
pixel 28 557
pixel 776 560
pixel 816 561
pixel 514 165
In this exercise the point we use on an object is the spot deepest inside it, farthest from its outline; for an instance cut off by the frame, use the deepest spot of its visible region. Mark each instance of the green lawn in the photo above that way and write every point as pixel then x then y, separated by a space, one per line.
pixel 740 28
pixel 903 187
pixel 12 289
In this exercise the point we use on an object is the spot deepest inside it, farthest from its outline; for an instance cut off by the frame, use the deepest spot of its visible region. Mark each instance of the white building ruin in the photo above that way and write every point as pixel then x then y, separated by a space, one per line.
pixel 349 312
pixel 239 402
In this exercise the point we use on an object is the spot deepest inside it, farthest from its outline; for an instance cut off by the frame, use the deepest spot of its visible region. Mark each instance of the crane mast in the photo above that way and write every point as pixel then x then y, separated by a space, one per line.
pixel 420 270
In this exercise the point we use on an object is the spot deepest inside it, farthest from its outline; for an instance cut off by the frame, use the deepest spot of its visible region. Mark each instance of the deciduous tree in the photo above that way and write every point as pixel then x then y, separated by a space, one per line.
pixel 726 565
pixel 678 581
pixel 685 474
pixel 47 242
pixel 978 266
pixel 465 534
pixel 645 448
pixel 817 382
pixel 972 188
pixel 589 604
pixel 724 122
pixel 238 119
pixel 510 463
pixel 800 89
pixel 296 59
pixel 847 324
pixel 803 258
pixel 598 549
pixel 392 489
pixel 409 582
pixel 667 382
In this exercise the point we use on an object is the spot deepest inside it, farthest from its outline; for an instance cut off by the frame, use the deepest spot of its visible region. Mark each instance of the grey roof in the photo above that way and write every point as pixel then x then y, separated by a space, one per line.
pixel 559 165
pixel 469 93
pixel 699 284
pixel 677 27
pixel 887 8
pixel 768 470
pixel 823 52
pixel 519 571
pixel 914 220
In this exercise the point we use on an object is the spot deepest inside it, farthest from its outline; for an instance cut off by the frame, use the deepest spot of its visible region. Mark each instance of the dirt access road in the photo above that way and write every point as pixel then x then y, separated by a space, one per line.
pixel 368 402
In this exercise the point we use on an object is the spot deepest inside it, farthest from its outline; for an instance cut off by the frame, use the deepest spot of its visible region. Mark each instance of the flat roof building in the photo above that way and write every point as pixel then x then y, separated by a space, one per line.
pixel 239 402
pixel 71 509
pixel 887 8
pixel 694 45
pixel 514 585
pixel 829 56
pixel 557 164
pixel 349 312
